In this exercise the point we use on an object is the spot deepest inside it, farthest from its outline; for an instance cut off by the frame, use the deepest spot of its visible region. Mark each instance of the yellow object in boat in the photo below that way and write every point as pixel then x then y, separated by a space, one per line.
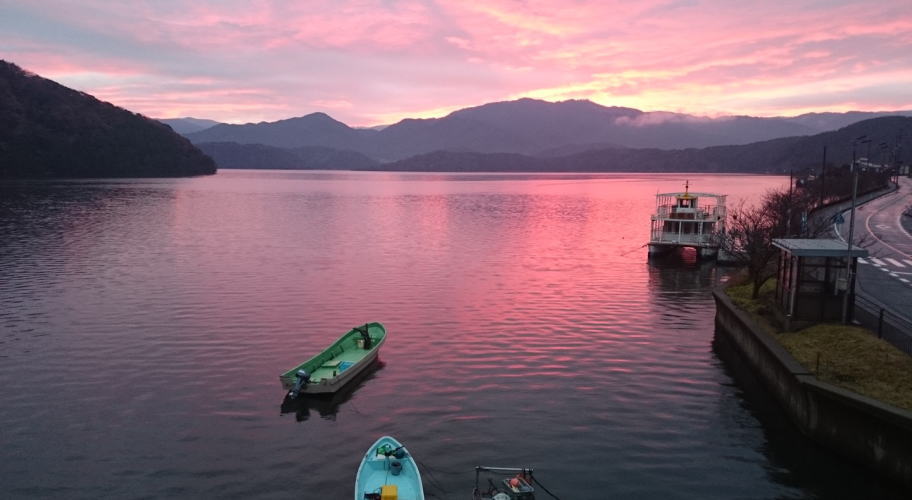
pixel 389 492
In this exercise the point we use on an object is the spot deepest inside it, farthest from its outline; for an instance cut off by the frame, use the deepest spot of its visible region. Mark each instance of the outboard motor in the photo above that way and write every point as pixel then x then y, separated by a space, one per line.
pixel 368 342
pixel 301 379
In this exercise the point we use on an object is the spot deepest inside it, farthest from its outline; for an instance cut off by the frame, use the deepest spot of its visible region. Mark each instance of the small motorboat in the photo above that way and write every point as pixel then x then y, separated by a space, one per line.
pixel 338 364
pixel 328 405
pixel 503 483
pixel 388 472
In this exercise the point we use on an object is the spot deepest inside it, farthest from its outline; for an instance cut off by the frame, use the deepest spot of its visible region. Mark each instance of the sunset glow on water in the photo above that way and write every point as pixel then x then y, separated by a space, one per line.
pixel 145 323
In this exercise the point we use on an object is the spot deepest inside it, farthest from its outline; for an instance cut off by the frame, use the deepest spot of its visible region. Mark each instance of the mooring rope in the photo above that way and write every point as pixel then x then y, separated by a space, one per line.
pixel 543 486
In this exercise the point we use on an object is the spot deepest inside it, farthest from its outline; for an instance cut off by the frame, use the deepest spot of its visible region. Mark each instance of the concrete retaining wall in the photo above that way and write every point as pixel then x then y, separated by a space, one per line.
pixel 860 428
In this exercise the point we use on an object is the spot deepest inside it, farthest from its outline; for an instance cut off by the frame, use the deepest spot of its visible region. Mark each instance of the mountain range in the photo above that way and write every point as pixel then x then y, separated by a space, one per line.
pixel 529 127
pixel 889 136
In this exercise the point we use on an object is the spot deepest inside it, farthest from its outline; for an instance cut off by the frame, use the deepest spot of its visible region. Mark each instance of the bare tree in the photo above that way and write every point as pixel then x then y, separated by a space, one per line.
pixel 750 233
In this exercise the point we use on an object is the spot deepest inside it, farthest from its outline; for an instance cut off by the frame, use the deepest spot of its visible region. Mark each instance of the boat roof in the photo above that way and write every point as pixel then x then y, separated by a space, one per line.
pixel 685 194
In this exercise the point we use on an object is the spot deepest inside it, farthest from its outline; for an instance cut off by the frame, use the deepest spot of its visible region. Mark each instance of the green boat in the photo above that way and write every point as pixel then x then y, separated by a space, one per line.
pixel 338 364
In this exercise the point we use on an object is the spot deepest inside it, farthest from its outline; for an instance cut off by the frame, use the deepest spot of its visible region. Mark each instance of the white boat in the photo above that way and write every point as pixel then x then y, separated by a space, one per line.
pixel 388 472
pixel 683 220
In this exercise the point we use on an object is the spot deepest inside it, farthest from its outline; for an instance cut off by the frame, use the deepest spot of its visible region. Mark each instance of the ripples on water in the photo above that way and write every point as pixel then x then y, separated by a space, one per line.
pixel 143 325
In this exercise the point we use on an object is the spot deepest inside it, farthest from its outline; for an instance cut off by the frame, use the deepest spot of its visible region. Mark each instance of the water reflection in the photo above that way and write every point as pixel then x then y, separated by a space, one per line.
pixel 328 405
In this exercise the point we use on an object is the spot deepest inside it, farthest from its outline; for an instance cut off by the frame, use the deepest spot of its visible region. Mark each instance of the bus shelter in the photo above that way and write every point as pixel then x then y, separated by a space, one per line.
pixel 812 280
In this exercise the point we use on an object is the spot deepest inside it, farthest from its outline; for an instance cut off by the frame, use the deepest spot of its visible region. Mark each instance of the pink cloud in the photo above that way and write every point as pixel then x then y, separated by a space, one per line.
pixel 374 61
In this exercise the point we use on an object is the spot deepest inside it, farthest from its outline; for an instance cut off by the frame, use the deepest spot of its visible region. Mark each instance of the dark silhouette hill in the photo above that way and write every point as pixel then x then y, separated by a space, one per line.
pixel 449 161
pixel 48 130
pixel 259 156
pixel 188 125
pixel 773 156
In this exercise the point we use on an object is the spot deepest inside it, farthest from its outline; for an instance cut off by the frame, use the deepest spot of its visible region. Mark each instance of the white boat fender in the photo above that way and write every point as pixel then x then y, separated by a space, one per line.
pixel 301 379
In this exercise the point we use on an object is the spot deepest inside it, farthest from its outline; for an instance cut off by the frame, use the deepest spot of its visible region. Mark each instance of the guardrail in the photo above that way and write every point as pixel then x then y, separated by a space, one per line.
pixel 888 325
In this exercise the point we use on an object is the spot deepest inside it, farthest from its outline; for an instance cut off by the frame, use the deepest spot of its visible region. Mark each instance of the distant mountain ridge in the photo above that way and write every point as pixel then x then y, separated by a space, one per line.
pixel 529 127
pixel 48 130
pixel 315 129
pixel 775 156
pixel 187 125
pixel 259 156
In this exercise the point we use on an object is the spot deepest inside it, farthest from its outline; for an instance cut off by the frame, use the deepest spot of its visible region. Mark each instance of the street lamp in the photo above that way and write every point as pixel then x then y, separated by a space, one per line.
pixel 850 280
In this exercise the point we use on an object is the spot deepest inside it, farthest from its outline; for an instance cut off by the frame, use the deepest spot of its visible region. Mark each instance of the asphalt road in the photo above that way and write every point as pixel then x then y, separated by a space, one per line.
pixel 886 274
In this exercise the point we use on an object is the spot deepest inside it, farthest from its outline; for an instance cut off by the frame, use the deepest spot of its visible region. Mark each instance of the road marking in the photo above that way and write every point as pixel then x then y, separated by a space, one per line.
pixel 884 269
pixel 881 226
pixel 862 261
pixel 877 262
pixel 894 262
pixel 880 208
pixel 894 275
pixel 904 280
pixel 907 261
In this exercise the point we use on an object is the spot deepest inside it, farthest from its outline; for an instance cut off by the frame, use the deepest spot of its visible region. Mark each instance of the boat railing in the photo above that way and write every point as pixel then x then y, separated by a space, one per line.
pixel 704 212
pixel 683 238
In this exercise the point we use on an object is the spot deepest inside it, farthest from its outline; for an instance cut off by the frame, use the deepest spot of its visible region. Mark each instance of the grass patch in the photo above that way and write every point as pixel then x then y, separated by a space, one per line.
pixel 761 307
pixel 850 357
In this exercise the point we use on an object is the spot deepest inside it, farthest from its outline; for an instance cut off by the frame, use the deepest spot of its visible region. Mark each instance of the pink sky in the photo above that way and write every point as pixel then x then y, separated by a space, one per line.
pixel 375 62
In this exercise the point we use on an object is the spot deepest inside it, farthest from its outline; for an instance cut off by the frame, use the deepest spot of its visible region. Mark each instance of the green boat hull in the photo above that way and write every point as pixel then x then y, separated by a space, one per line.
pixel 338 364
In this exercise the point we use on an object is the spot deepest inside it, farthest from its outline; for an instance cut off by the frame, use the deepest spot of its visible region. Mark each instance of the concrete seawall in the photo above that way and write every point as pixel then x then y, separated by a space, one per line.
pixel 859 428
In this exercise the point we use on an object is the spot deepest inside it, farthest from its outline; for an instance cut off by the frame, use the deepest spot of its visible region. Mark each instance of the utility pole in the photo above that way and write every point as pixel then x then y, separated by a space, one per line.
pixel 850 279
pixel 788 211
pixel 823 178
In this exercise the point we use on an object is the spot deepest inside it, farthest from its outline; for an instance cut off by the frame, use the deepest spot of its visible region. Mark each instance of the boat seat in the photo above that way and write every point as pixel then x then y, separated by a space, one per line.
pixel 331 364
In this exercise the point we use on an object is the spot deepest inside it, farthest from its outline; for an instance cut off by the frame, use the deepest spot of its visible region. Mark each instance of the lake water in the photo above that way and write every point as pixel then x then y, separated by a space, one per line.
pixel 143 325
